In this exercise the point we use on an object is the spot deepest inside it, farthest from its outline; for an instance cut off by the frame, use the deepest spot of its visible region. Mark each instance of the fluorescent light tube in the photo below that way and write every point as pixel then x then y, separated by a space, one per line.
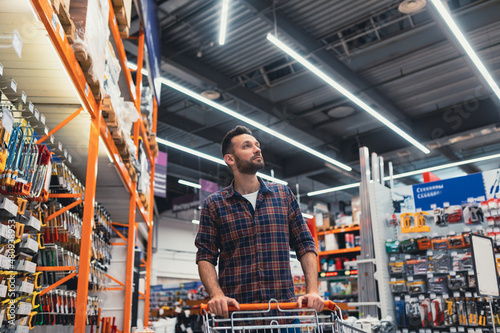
pixel 212 158
pixel 333 189
pixel 345 92
pixel 465 44
pixel 408 174
pixel 223 22
pixel 185 182
pixel 307 216
pixel 253 123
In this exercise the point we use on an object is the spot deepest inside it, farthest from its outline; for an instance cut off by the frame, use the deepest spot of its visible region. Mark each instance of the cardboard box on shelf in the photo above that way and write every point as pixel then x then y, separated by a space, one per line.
pixel 324 221
pixel 356 209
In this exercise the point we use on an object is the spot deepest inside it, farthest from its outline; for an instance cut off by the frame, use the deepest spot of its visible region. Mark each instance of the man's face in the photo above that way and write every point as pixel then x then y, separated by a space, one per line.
pixel 247 154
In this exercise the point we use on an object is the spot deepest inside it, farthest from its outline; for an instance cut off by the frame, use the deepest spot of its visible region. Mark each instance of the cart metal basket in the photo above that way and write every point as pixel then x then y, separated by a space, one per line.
pixel 260 318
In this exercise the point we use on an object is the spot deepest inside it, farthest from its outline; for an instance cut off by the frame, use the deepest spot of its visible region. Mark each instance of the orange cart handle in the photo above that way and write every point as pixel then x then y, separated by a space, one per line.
pixel 329 305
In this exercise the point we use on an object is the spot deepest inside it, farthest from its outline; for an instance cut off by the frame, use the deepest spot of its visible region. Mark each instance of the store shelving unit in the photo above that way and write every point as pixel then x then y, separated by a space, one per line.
pixel 99 129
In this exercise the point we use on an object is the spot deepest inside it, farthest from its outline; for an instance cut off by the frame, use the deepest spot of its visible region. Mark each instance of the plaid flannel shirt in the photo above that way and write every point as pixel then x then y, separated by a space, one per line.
pixel 253 247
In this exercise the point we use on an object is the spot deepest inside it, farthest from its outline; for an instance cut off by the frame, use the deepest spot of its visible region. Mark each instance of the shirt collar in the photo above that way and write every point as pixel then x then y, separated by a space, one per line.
pixel 232 192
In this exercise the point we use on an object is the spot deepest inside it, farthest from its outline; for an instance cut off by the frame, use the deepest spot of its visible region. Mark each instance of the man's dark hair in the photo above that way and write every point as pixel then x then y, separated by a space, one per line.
pixel 227 145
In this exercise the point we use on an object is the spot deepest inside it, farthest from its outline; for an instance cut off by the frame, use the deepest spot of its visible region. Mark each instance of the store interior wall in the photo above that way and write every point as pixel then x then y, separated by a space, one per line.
pixel 174 259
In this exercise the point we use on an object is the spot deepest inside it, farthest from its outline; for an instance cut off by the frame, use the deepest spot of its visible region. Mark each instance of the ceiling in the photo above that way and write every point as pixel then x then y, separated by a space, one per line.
pixel 405 66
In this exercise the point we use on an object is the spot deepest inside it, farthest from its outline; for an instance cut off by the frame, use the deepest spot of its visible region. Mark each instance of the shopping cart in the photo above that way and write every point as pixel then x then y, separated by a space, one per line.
pixel 274 317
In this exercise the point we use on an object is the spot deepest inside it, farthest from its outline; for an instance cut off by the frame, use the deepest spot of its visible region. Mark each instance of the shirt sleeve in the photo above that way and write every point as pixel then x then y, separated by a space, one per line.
pixel 301 239
pixel 207 240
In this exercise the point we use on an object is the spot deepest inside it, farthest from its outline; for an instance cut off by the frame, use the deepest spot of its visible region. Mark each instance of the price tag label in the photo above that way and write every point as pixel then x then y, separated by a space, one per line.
pixel 470 273
pixel 405 330
pixel 419 210
pixel 428 331
pixel 7 120
pixel 446 296
pixel 421 297
pixel 410 278
pixel 430 275
pixel 422 330
pixel 392 259
pixel 430 253
pixel 59 146
pixel 31 107
pixel 407 298
pixel 86 89
pixel 453 273
pixel 433 206
pixel 468 294
pixel 24 97
pixel 397 298
pixel 46 130
pixel 454 253
pixel 61 32
pixel 70 159
pixel 470 200
pixel 65 153
pixel 42 118
pixel 1 69
pixel 481 198
pixel 393 279
pixel 407 256
pixel 461 329
pixel 453 329
pixel 451 233
pixel 52 139
pixel 456 294
pixel 432 296
pixel 446 204
pixel 37 114
pixel 54 21
pixel 467 229
pixel 13 85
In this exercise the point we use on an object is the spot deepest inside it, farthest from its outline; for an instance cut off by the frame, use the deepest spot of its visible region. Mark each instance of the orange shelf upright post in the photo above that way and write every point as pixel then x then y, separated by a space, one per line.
pixel 149 258
pixel 129 281
pixel 88 220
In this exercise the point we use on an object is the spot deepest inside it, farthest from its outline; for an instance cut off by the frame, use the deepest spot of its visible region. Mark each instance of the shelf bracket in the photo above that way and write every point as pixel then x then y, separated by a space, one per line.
pixel 58 283
pixel 61 125
pixel 65 209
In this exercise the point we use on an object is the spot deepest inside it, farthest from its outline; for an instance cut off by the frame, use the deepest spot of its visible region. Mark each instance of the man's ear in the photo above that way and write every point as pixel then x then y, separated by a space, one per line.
pixel 229 159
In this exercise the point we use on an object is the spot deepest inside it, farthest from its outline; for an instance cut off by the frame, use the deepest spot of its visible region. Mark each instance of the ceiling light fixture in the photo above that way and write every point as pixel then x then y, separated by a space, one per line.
pixel 191 184
pixel 212 158
pixel 307 216
pixel 345 92
pixel 408 174
pixel 223 22
pixel 253 123
pixel 463 41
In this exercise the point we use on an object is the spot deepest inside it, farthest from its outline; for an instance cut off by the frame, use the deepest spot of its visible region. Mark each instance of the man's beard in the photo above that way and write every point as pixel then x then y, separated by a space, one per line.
pixel 248 167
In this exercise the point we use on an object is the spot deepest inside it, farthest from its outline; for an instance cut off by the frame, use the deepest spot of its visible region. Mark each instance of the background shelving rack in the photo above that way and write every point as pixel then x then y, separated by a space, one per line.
pixel 98 129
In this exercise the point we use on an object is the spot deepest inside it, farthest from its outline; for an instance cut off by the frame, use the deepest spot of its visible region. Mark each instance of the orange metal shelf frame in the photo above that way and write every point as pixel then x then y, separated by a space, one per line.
pixel 99 128
pixel 341 251
pixel 338 231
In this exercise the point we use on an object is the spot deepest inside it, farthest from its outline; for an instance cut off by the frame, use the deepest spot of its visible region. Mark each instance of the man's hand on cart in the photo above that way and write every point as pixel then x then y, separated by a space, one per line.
pixel 218 305
pixel 312 301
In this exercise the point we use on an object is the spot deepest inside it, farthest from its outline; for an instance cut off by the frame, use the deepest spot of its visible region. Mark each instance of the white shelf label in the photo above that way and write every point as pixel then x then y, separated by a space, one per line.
pixel 393 279
pixel 61 32
pixel 46 130
pixel 65 153
pixel 470 200
pixel 59 146
pixel 446 204
pixel 42 118
pixel 433 206
pixel 430 275
pixel 481 198
pixel 419 210
pixel 468 294
pixel 70 159
pixel 456 294
pixel 1 69
pixel 7 120
pixel 54 21
pixel 421 297
pixel 13 85
pixel 410 278
pixel 461 329
pixel 31 107
pixel 430 253
pixel 52 139
pixel 453 329
pixel 37 114
pixel 453 273
pixel 432 296
pixel 446 296
pixel 397 298
pixel 24 97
